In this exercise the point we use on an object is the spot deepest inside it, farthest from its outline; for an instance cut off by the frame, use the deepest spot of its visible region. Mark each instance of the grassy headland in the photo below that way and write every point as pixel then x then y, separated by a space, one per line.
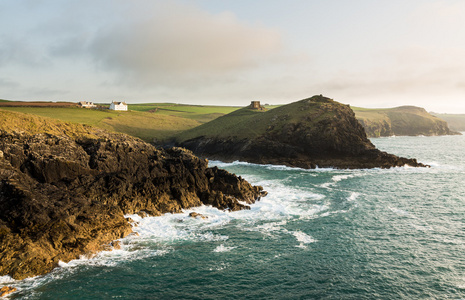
pixel 403 120
pixel 455 121
pixel 163 121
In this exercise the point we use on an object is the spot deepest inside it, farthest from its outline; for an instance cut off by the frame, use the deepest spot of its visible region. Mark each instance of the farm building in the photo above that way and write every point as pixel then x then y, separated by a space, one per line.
pixel 118 106
pixel 86 104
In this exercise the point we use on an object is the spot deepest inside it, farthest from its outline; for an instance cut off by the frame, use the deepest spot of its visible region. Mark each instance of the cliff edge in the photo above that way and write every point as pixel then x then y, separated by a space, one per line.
pixel 314 132
pixel 65 188
pixel 403 120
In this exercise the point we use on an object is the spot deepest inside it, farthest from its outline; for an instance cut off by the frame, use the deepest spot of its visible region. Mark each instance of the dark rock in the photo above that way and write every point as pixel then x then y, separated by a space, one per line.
pixel 195 215
pixel 62 196
pixel 314 132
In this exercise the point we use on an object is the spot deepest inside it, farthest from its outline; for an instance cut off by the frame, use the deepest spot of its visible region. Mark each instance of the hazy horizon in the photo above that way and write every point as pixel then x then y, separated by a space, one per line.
pixel 207 52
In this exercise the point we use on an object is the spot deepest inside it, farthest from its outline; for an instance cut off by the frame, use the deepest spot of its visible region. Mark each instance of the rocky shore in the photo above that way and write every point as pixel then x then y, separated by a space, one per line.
pixel 64 190
pixel 314 132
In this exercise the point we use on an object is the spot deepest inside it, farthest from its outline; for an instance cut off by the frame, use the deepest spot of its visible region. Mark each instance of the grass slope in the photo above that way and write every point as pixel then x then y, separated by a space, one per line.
pixel 247 123
pixel 146 121
pixel 403 120
pixel 455 121
pixel 20 122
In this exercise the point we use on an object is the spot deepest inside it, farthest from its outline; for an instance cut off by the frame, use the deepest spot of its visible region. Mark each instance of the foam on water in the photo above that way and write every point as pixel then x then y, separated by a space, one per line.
pixel 6 279
pixel 353 196
pixel 221 164
pixel 303 238
pixel 270 217
pixel 223 248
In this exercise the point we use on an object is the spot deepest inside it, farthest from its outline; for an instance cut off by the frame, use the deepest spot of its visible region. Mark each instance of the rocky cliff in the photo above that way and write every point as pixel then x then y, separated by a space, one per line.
pixel 403 120
pixel 455 121
pixel 64 189
pixel 312 132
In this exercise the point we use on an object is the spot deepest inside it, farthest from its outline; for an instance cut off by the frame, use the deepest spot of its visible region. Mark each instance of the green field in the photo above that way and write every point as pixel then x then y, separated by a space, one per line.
pixel 248 123
pixel 157 121
pixel 163 121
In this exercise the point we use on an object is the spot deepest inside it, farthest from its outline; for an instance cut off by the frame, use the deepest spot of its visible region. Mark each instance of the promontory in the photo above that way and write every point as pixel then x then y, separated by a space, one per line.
pixel 65 189
pixel 310 133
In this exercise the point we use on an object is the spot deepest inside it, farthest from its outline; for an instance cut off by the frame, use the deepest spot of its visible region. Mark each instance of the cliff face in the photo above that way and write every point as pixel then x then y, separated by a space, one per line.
pixel 309 133
pixel 404 120
pixel 65 193
pixel 455 121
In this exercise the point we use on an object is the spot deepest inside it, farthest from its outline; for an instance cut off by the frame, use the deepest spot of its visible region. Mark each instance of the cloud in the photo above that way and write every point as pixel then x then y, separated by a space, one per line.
pixel 167 43
pixel 15 50
pixel 7 83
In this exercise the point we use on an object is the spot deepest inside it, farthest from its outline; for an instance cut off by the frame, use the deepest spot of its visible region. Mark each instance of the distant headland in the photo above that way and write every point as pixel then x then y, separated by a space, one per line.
pixel 314 132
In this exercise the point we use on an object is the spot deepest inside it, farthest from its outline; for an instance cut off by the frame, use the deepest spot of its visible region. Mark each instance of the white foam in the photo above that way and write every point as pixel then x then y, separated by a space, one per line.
pixel 303 238
pixel 270 216
pixel 222 248
pixel 221 164
pixel 353 196
pixel 115 257
pixel 6 280
pixel 399 212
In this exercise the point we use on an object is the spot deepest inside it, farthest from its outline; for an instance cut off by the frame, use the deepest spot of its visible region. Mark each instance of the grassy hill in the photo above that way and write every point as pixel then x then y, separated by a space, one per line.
pixel 456 121
pixel 20 122
pixel 163 121
pixel 146 121
pixel 403 120
pixel 246 123
pixel 310 133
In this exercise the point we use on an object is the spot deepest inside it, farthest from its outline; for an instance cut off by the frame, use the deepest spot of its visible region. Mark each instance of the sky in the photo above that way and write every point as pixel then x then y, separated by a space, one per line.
pixel 368 53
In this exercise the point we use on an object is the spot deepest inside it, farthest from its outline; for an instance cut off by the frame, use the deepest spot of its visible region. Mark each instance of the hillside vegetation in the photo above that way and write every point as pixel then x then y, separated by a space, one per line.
pixel 66 188
pixel 147 121
pixel 161 122
pixel 312 132
pixel 456 121
pixel 403 120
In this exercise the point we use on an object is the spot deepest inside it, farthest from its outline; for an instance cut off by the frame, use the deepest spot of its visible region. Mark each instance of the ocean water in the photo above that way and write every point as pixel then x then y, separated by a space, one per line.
pixel 319 234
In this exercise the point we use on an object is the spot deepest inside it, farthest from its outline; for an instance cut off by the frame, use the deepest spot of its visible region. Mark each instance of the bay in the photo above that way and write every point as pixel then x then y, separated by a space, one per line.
pixel 319 234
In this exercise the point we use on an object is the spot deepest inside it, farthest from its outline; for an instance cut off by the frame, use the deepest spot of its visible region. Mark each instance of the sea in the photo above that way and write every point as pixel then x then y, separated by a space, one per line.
pixel 319 234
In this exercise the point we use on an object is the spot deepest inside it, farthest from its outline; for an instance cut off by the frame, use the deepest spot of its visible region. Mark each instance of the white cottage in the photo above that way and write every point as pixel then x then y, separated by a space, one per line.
pixel 118 106
pixel 87 104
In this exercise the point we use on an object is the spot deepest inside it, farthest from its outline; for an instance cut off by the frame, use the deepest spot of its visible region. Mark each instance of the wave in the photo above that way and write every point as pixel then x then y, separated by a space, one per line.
pixel 222 248
pixel 303 238
pixel 221 164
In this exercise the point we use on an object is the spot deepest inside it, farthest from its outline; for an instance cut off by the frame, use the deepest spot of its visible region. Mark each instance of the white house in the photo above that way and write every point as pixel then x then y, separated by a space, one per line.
pixel 118 106
pixel 86 104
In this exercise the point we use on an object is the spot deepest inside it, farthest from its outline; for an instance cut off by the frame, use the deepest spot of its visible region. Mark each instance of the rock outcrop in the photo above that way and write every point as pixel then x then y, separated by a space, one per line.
pixel 309 133
pixel 6 290
pixel 403 120
pixel 64 190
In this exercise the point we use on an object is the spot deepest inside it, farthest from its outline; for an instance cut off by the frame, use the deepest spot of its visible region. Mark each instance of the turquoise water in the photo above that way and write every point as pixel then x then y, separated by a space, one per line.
pixel 319 234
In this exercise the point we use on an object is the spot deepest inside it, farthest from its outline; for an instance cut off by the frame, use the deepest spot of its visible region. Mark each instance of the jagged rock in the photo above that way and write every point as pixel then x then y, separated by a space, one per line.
pixel 309 133
pixel 195 215
pixel 7 290
pixel 63 196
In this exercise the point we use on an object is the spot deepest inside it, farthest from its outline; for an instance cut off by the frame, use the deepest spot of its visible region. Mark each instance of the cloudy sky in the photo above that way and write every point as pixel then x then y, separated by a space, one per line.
pixel 370 53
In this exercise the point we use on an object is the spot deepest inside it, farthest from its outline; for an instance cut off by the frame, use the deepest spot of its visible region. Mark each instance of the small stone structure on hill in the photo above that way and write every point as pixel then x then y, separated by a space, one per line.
pixel 256 105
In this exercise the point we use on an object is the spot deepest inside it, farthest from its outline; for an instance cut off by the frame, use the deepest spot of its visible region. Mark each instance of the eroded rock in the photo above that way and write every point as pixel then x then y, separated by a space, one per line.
pixel 7 290
pixel 62 196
